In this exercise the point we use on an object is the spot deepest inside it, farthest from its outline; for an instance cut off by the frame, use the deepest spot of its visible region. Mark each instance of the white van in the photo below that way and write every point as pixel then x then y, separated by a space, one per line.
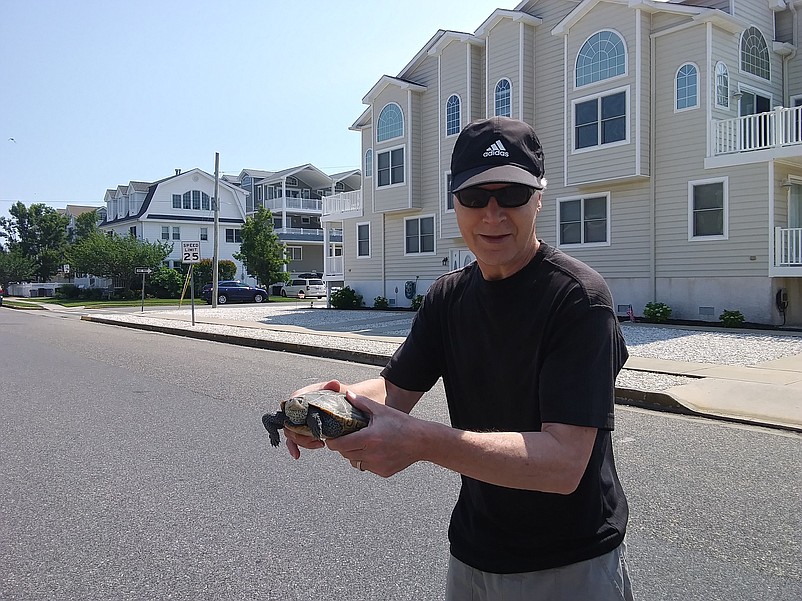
pixel 304 287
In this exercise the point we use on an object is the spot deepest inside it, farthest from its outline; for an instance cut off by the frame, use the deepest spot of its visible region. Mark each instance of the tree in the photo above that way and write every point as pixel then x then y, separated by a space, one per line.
pixel 15 267
pixel 40 233
pixel 114 256
pixel 85 224
pixel 261 251
pixel 165 282
pixel 226 270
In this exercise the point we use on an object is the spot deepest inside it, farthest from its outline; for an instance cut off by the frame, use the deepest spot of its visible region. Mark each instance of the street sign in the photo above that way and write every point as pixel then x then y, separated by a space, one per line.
pixel 143 270
pixel 190 252
pixel 66 268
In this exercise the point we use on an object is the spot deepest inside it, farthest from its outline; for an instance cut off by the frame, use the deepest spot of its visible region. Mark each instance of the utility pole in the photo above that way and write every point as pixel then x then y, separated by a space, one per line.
pixel 216 228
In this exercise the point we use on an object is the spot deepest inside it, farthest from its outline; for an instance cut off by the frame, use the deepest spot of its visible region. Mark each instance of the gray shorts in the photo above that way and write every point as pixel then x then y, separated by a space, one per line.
pixel 602 578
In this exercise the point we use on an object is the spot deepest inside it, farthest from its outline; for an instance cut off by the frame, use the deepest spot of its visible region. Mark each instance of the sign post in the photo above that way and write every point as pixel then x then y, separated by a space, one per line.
pixel 190 253
pixel 144 271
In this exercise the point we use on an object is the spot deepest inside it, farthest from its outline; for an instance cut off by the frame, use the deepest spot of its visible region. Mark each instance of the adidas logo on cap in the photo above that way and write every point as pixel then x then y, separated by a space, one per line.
pixel 496 149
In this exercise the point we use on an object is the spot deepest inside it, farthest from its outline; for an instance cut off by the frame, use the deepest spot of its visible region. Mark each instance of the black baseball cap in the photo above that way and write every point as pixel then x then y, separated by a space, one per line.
pixel 498 150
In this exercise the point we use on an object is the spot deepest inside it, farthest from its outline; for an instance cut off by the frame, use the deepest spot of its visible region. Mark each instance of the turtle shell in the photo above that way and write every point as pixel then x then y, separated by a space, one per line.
pixel 338 417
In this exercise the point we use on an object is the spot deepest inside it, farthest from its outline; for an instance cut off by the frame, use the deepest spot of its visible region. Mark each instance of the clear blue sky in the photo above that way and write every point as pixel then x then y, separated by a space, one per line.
pixel 95 93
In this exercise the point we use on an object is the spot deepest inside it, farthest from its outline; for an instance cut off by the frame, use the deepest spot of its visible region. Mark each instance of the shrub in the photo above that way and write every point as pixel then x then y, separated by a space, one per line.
pixel 380 302
pixel 346 298
pixel 657 312
pixel 68 291
pixel 732 319
pixel 417 302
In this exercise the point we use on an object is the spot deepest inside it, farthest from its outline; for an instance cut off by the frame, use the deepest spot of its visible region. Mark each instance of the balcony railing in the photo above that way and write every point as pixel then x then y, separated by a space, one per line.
pixel 775 129
pixel 788 247
pixel 333 267
pixel 291 202
pixel 344 202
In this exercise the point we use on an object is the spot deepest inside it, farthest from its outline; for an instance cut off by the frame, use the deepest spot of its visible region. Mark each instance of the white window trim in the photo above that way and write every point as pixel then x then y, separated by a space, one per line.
pixel 403 124
pixel 495 108
pixel 610 92
pixel 376 167
pixel 563 199
pixel 715 86
pixel 698 88
pixel 370 241
pixel 434 235
pixel 445 120
pixel 741 70
pixel 726 230
pixel 447 193
pixel 291 253
pixel 372 162
pixel 609 79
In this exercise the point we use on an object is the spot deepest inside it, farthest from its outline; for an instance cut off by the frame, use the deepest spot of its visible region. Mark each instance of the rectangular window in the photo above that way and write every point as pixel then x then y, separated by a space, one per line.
pixel 165 232
pixel 233 235
pixel 204 233
pixel 176 233
pixel 419 235
pixel 187 200
pixel 390 167
pixel 196 204
pixel 295 253
pixel 205 205
pixel 707 209
pixel 176 201
pixel 584 220
pixel 132 231
pixel 602 120
pixel 362 239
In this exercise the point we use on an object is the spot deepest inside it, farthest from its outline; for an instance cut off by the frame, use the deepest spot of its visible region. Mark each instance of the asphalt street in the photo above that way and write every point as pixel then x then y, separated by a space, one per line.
pixel 135 466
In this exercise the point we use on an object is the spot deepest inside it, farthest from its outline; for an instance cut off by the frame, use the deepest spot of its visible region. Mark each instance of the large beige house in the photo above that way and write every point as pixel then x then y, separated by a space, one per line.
pixel 673 140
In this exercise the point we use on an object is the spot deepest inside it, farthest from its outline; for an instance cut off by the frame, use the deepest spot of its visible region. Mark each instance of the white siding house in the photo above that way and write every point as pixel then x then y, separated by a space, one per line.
pixel 673 141
pixel 179 207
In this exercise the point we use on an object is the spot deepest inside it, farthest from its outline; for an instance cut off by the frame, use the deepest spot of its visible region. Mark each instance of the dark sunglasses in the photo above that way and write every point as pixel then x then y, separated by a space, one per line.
pixel 516 195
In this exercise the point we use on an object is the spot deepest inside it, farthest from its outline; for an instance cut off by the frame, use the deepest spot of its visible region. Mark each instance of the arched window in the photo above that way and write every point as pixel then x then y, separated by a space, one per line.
pixel 755 53
pixel 369 162
pixel 722 86
pixel 390 124
pixel 687 88
pixel 603 56
pixel 452 115
pixel 503 98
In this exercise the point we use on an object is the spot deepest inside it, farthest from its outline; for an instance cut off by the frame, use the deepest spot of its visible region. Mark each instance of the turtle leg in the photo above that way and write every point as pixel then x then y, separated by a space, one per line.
pixel 272 422
pixel 314 422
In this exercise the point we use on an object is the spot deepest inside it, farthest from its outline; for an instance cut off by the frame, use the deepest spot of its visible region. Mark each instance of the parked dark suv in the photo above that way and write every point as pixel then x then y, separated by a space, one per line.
pixel 233 291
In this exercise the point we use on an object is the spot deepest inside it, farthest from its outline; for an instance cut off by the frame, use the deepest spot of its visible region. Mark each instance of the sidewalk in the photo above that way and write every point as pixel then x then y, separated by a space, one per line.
pixel 767 393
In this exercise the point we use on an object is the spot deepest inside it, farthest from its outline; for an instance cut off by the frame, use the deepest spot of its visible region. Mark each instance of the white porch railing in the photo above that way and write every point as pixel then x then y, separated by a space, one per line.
pixel 788 247
pixel 299 231
pixel 344 202
pixel 777 128
pixel 333 267
pixel 291 202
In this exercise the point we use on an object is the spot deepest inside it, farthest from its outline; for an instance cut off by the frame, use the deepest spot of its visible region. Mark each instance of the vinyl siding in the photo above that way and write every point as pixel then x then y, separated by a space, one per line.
pixel 478 103
pixel 616 160
pixel 396 197
pixel 503 45
pixel 453 72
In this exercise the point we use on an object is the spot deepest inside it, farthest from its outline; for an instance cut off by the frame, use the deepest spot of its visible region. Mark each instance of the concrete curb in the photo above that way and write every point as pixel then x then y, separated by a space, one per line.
pixel 651 400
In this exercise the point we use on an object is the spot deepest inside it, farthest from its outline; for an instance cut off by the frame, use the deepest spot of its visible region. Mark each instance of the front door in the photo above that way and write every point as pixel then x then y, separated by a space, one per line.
pixel 461 258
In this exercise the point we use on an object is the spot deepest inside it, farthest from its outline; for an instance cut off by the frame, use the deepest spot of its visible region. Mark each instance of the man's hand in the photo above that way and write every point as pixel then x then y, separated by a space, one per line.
pixel 386 446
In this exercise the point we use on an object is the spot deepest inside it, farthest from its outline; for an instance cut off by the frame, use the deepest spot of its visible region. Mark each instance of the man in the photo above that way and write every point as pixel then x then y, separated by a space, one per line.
pixel 529 348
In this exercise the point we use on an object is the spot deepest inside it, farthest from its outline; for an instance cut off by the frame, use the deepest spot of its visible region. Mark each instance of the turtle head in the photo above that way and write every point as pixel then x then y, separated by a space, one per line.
pixel 296 409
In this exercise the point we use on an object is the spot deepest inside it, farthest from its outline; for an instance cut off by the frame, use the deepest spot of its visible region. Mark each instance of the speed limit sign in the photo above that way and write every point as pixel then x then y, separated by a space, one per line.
pixel 190 252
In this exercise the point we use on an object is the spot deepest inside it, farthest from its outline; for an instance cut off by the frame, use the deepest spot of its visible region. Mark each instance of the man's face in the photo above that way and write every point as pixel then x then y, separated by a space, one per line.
pixel 503 239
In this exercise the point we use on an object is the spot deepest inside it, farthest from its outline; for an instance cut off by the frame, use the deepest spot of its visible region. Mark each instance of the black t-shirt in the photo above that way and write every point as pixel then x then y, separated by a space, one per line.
pixel 543 345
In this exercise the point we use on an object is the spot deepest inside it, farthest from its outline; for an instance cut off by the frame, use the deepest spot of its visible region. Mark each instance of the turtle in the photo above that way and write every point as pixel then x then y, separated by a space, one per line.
pixel 322 414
